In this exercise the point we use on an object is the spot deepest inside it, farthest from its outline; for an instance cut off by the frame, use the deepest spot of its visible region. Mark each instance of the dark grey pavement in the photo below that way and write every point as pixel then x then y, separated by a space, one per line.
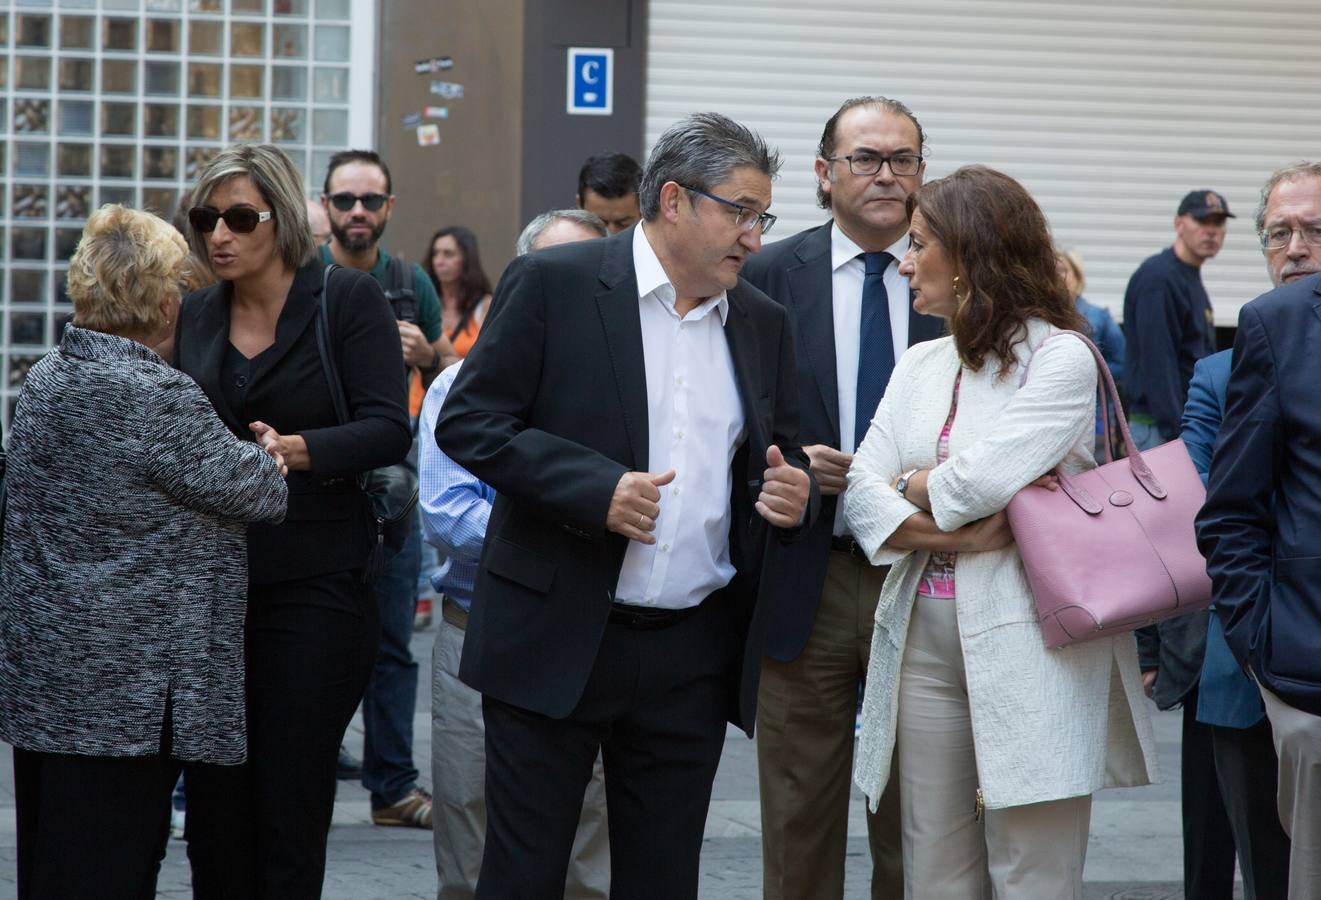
pixel 1134 854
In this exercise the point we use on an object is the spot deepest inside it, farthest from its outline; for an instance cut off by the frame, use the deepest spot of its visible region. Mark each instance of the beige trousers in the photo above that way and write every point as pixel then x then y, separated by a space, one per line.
pixel 1298 744
pixel 806 711
pixel 458 770
pixel 1016 853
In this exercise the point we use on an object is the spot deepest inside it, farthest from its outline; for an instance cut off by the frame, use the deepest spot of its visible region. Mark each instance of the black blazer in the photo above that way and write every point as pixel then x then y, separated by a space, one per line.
pixel 328 527
pixel 1260 529
pixel 550 409
pixel 796 273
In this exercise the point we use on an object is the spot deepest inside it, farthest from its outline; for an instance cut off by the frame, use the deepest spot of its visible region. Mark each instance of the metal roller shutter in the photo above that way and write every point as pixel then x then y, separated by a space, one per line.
pixel 1107 111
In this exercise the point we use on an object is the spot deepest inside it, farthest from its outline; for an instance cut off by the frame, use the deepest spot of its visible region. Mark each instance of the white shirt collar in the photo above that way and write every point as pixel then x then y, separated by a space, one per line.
pixel 652 278
pixel 843 250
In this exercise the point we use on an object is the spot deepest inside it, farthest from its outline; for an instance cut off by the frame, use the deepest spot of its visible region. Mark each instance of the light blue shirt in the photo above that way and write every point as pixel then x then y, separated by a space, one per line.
pixel 455 504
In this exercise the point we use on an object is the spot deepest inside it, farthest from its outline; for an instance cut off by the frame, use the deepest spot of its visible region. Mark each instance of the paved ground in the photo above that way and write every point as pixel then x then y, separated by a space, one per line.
pixel 1135 851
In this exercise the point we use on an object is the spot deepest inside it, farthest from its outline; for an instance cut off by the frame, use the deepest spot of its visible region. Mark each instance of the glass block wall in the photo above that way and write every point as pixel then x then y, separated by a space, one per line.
pixel 124 101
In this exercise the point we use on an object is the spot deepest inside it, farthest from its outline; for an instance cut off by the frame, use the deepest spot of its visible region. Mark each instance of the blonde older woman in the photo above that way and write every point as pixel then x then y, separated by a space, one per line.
pixel 123 583
pixel 984 717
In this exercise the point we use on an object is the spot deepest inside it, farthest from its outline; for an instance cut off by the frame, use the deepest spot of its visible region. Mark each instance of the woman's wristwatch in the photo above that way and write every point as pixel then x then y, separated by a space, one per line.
pixel 435 361
pixel 902 484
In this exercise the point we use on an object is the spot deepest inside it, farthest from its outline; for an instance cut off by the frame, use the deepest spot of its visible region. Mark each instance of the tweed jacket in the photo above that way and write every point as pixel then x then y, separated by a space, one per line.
pixel 1047 724
pixel 123 584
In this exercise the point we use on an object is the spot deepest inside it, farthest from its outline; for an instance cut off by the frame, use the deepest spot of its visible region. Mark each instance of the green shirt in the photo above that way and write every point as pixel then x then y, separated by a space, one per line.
pixel 428 304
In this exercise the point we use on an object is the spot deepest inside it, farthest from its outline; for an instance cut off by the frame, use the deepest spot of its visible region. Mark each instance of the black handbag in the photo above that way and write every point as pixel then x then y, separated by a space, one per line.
pixel 392 490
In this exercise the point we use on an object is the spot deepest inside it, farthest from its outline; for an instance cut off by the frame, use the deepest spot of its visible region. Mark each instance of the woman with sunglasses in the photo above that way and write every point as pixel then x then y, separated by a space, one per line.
pixel 123 584
pixel 250 342
pixel 455 268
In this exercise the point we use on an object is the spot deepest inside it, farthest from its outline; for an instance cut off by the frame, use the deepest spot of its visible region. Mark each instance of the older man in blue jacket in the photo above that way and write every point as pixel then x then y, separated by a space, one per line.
pixel 1261 532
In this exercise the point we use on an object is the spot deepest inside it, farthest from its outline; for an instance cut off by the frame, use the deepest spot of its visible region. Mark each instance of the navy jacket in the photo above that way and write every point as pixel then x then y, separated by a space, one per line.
pixel 796 273
pixel 1168 326
pixel 1260 529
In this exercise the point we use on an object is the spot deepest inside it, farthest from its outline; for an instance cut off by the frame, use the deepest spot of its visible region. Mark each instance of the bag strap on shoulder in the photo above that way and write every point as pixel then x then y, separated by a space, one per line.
pixel 323 345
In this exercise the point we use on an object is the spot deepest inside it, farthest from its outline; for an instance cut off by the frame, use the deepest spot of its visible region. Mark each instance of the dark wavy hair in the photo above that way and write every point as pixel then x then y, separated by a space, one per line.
pixel 473 282
pixel 999 242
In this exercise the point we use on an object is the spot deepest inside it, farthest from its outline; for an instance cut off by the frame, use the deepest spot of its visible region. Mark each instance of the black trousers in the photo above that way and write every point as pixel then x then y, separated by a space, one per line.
pixel 1208 842
pixel 310 649
pixel 655 705
pixel 93 827
pixel 1248 771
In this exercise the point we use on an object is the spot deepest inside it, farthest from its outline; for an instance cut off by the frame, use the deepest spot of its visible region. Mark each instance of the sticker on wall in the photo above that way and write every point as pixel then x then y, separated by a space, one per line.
pixel 448 89
pixel 428 135
pixel 412 120
pixel 435 64
pixel 590 81
pixel 436 112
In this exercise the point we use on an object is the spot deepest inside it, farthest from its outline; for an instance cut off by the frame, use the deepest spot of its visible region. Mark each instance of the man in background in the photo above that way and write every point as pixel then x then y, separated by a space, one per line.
pixel 608 188
pixel 358 200
pixel 1168 322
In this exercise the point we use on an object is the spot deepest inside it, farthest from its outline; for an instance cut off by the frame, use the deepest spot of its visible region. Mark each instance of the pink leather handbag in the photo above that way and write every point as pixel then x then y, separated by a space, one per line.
pixel 1114 548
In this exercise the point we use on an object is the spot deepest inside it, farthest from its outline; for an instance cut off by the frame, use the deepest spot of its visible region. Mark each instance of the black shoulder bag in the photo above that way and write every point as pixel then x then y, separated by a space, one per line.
pixel 392 490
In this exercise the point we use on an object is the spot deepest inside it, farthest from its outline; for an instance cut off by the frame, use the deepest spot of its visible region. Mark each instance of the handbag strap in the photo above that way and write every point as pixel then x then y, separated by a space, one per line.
pixel 1106 386
pixel 328 366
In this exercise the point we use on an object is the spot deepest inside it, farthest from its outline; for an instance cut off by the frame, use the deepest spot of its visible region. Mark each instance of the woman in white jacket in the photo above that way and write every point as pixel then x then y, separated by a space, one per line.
pixel 1000 742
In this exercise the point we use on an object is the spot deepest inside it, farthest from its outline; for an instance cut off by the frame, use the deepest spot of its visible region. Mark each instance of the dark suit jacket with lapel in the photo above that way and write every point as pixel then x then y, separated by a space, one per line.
pixel 1260 529
pixel 328 527
pixel 550 409
pixel 796 273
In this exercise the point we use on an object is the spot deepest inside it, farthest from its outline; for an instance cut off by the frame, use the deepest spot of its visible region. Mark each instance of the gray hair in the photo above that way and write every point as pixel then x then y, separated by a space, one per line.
pixel 537 226
pixel 1293 172
pixel 280 185
pixel 700 152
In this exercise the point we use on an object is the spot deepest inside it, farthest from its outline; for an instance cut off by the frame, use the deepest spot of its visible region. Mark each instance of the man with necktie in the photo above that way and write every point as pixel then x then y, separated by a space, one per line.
pixel 852 319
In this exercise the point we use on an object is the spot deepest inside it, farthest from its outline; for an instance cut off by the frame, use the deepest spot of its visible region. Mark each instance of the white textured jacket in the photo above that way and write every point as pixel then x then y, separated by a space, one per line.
pixel 1047 724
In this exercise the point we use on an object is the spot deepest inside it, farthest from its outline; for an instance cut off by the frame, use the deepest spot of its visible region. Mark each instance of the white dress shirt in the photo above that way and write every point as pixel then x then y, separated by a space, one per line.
pixel 847 274
pixel 694 425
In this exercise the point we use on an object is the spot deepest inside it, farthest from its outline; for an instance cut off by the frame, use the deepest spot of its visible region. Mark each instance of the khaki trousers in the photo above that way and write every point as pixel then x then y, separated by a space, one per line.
pixel 1298 744
pixel 806 712
pixel 458 770
pixel 1028 852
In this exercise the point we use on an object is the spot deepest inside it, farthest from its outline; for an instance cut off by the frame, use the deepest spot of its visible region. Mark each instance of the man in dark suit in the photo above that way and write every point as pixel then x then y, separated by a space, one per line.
pixel 852 319
pixel 1260 529
pixel 634 404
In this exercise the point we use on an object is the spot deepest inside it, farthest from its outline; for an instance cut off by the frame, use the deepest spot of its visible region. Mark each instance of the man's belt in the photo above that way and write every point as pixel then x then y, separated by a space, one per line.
pixel 844 543
pixel 648 618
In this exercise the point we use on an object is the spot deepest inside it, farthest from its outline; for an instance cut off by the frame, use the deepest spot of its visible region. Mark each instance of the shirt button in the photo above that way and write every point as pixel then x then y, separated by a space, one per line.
pixel 678 379
pixel 665 547
pixel 678 435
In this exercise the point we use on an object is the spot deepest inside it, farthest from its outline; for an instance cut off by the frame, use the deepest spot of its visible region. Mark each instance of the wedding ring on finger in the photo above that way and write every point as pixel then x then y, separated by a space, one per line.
pixel 641 520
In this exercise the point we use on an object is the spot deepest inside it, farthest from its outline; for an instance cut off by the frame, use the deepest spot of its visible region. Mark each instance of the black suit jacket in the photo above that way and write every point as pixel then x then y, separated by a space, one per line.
pixel 550 409
pixel 1260 529
pixel 796 273
pixel 328 527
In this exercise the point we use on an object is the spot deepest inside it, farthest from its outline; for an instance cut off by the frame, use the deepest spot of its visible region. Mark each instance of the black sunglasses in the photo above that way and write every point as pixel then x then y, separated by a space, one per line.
pixel 344 201
pixel 238 219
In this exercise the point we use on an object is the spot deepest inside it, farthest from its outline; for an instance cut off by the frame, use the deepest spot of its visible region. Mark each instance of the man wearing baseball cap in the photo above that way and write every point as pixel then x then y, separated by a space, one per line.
pixel 1168 324
pixel 1168 327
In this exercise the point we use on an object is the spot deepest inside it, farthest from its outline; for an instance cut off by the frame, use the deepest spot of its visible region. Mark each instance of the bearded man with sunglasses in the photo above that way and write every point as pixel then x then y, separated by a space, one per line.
pixel 358 199
pixel 840 283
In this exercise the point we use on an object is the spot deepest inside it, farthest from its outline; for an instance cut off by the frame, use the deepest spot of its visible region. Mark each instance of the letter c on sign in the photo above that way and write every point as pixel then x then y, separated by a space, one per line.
pixel 591 71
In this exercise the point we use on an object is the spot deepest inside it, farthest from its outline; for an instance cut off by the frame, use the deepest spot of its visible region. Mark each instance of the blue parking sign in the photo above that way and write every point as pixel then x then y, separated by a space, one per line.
pixel 591 76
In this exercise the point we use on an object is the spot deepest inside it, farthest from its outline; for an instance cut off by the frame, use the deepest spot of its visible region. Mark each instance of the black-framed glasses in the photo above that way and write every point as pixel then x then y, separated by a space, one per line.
pixel 344 201
pixel 865 163
pixel 745 217
pixel 238 219
pixel 1278 238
